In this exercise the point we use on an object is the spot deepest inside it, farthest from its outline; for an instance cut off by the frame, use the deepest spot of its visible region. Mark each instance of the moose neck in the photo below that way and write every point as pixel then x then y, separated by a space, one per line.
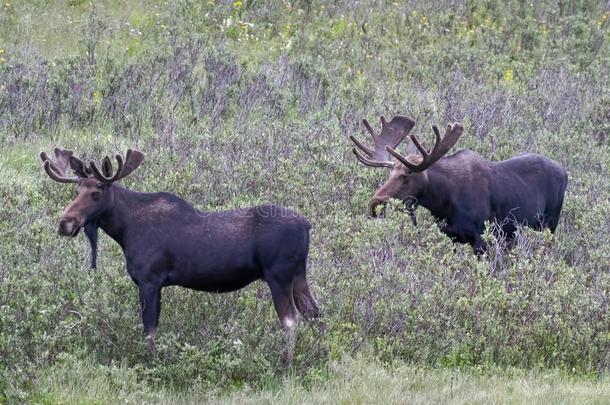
pixel 434 197
pixel 115 219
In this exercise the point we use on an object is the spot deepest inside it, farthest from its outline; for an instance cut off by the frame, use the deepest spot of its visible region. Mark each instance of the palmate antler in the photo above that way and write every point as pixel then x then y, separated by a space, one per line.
pixel 59 168
pixel 125 167
pixel 392 133
pixel 442 145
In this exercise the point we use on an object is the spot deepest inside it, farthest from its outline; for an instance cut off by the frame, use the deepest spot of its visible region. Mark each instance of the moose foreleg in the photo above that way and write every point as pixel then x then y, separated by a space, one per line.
pixel 150 304
pixel 290 329
pixel 479 246
pixel 282 294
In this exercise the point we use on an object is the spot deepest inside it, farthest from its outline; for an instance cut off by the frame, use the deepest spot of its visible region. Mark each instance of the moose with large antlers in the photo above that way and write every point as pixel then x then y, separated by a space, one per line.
pixel 464 190
pixel 168 242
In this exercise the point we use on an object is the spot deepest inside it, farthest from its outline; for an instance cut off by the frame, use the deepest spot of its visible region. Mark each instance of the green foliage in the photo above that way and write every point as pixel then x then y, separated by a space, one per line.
pixel 349 380
pixel 242 103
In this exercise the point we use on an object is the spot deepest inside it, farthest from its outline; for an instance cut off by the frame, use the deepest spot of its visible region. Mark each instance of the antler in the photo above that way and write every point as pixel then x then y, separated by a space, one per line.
pixel 59 168
pixel 440 148
pixel 125 167
pixel 107 176
pixel 392 133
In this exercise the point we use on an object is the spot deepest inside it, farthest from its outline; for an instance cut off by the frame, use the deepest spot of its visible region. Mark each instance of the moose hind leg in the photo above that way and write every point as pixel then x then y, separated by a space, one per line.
pixel 304 301
pixel 150 304
pixel 281 293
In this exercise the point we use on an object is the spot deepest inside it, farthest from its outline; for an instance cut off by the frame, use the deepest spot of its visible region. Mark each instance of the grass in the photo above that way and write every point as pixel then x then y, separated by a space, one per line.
pixel 241 103
pixel 61 34
pixel 353 381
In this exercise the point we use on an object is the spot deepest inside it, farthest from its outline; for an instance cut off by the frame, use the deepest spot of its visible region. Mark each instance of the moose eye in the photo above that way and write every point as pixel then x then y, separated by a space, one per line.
pixel 96 196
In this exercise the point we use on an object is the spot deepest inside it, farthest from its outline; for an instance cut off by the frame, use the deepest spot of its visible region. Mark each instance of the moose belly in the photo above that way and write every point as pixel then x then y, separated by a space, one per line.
pixel 217 280
pixel 520 213
pixel 214 270
pixel 189 263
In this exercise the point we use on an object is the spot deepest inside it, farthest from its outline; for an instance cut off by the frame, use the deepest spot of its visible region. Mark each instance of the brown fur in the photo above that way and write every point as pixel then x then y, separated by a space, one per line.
pixel 463 191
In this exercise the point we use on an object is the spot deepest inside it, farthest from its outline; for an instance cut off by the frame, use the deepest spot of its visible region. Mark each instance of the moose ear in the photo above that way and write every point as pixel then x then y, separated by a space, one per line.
pixel 78 167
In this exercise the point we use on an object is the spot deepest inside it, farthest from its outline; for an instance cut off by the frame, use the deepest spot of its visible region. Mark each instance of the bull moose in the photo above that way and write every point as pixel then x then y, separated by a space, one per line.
pixel 464 190
pixel 166 241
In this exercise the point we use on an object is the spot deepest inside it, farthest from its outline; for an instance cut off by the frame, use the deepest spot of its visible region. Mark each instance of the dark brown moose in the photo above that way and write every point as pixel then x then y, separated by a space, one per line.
pixel 464 190
pixel 168 242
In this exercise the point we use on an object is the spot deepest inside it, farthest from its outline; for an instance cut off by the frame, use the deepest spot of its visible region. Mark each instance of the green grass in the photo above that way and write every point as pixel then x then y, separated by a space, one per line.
pixel 346 381
pixel 57 28
pixel 241 103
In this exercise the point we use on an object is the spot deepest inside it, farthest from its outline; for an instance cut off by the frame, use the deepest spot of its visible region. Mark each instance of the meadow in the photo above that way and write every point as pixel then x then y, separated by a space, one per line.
pixel 238 103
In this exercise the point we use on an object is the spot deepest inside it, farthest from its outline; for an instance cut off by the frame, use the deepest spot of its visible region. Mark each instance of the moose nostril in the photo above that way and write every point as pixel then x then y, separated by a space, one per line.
pixel 67 226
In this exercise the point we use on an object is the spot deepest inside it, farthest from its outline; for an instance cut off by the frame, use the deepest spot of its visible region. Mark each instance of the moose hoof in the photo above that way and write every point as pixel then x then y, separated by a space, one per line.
pixel 287 359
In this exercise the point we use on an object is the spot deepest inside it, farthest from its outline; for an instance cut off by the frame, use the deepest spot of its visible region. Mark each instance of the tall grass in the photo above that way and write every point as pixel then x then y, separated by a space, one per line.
pixel 240 103
pixel 345 381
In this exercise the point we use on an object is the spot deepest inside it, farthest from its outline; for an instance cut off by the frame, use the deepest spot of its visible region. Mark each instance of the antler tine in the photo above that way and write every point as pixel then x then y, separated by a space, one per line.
pixel 369 162
pixel 437 135
pixel 370 129
pixel 107 167
pixel 132 160
pixel 360 145
pixel 45 158
pixel 119 169
pixel 107 179
pixel 392 133
pixel 58 168
pixel 51 170
pixel 413 167
pixel 440 148
pixel 96 172
pixel 437 140
pixel 55 169
pixel 419 147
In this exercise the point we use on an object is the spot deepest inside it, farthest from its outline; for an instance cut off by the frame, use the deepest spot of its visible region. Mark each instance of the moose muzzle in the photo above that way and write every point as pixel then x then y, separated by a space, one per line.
pixel 69 226
pixel 377 207
pixel 374 203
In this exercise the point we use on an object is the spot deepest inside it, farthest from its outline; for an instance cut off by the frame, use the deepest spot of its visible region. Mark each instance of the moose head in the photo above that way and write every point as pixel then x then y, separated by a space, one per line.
pixel 93 192
pixel 408 179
